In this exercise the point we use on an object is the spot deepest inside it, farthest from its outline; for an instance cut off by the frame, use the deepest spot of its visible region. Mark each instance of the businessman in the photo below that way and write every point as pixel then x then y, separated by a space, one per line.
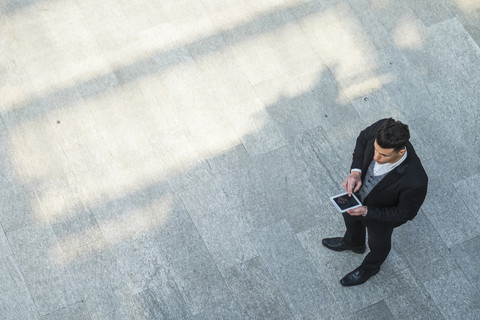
pixel 389 179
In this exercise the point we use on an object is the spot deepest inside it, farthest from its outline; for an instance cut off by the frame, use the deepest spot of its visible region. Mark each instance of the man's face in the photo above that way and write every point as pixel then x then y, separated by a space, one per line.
pixel 382 156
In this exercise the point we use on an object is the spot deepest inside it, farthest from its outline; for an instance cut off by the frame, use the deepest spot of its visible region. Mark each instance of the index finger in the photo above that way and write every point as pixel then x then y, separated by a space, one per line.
pixel 350 189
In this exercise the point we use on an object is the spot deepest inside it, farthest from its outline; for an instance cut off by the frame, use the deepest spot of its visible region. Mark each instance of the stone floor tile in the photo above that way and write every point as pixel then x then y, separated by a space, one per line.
pixel 452 220
pixel 406 90
pixel 191 265
pixel 422 247
pixel 255 291
pixel 467 13
pixel 448 158
pixel 253 124
pixel 77 311
pixel 287 185
pixel 292 43
pixel 162 302
pixel 406 298
pixel 79 229
pixel 5 249
pixel 16 199
pixel 18 304
pixel 466 189
pixel 218 66
pixel 134 235
pixel 393 15
pixel 448 42
pixel 246 189
pixel 370 108
pixel 332 266
pixel 295 114
pixel 325 163
pixel 225 311
pixel 454 295
pixel 294 274
pixel 376 311
pixel 207 205
pixel 429 12
pixel 254 49
pixel 113 304
pixel 466 255
pixel 373 27
pixel 48 282
pixel 11 276
pixel 93 272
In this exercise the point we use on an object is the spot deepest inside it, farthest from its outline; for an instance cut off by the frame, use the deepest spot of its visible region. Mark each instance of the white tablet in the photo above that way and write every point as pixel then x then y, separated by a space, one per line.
pixel 344 203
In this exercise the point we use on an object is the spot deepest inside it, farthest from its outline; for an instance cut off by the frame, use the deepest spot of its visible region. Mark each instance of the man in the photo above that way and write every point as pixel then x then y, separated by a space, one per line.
pixel 389 179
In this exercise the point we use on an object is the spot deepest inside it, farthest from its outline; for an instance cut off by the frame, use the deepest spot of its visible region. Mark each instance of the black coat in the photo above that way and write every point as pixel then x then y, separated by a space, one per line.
pixel 400 194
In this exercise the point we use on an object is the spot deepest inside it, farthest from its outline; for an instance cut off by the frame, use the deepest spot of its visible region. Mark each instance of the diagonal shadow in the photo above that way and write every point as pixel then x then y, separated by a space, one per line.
pixel 161 61
pixel 306 112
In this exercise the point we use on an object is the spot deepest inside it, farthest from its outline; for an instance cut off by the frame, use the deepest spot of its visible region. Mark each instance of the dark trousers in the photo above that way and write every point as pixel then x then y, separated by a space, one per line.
pixel 379 238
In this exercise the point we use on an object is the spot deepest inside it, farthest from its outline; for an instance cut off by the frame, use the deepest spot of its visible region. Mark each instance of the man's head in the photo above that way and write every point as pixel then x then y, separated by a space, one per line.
pixel 390 141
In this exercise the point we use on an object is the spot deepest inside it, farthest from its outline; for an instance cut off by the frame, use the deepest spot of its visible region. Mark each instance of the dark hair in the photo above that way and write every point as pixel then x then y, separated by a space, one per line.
pixel 392 134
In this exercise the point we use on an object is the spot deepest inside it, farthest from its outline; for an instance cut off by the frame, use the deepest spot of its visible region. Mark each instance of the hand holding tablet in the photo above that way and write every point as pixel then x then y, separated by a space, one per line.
pixel 343 202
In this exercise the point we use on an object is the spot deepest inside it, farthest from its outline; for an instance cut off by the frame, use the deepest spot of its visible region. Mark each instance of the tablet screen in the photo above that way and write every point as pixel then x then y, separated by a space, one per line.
pixel 343 202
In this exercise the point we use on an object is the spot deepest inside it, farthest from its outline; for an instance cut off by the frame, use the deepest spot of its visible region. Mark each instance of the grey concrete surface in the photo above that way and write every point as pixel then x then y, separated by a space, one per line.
pixel 174 159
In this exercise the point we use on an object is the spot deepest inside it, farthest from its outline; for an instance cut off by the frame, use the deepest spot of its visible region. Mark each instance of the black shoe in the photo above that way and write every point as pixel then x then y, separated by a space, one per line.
pixel 337 244
pixel 358 276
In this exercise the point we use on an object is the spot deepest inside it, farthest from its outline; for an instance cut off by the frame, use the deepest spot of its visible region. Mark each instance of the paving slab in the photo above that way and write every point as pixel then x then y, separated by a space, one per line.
pixel 450 216
pixel 247 189
pixel 306 110
pixel 189 263
pixel 15 299
pixel 286 184
pixel 467 258
pixel 224 311
pixel 415 247
pixel 408 299
pixel 257 57
pixel 332 266
pixel 113 305
pixel 47 283
pixel 77 311
pixel 5 249
pixel 467 12
pixel 253 117
pixel 294 274
pixel 207 205
pixel 373 27
pixel 162 302
pixel 467 190
pixel 444 39
pixel 467 300
pixel 219 68
pixel 256 292
pixel 378 310
pixel 18 304
pixel 431 12
pixel 11 275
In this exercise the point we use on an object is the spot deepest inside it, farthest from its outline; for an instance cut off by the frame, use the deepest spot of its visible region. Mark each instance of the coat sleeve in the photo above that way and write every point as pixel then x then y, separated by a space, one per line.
pixel 409 204
pixel 361 144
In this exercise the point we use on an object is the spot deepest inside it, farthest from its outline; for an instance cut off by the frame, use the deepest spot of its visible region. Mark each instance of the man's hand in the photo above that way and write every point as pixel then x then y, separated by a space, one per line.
pixel 357 211
pixel 353 180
